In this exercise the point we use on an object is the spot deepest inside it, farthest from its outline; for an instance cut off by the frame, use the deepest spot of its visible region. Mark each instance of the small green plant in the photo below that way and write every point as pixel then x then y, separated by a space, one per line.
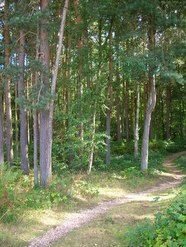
pixel 84 188
pixel 131 171
pixel 109 220
pixel 17 193
pixel 168 229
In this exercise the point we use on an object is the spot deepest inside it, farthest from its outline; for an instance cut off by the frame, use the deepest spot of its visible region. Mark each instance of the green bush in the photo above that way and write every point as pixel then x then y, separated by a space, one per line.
pixel 181 162
pixel 168 229
pixel 17 192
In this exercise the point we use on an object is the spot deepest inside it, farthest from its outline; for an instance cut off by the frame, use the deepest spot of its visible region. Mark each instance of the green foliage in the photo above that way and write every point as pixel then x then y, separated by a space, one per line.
pixel 168 229
pixel 85 189
pixel 181 162
pixel 132 171
pixel 17 192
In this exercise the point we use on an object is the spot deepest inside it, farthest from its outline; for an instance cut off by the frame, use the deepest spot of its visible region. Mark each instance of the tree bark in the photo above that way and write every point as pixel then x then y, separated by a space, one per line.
pixel 9 136
pixel 151 104
pixel 132 114
pixel 80 84
pixel 1 129
pixel 35 115
pixel 127 110
pixel 123 108
pixel 54 79
pixel 137 123
pixel 144 100
pixel 27 112
pixel 119 134
pixel 95 105
pixel 168 99
pixel 23 116
pixel 110 100
pixel 16 125
pixel 45 168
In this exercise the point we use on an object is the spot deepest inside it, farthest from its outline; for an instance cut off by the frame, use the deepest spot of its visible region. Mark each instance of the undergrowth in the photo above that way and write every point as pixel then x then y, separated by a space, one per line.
pixel 181 162
pixel 167 230
pixel 17 191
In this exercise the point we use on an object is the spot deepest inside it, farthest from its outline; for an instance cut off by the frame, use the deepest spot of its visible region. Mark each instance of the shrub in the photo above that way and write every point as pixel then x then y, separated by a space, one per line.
pixel 17 192
pixel 168 229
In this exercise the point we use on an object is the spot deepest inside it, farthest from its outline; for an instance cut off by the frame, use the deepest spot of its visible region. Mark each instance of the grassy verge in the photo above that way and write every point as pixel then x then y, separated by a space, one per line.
pixel 26 212
pixel 110 229
pixel 181 163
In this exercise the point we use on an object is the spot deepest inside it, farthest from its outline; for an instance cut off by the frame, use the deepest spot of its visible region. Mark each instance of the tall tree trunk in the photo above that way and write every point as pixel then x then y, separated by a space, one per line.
pixel 16 125
pixel 1 129
pixel 151 104
pixel 132 114
pixel 27 112
pixel 45 168
pixel 181 114
pixel 70 156
pixel 9 136
pixel 162 117
pixel 54 79
pixel 168 99
pixel 137 123
pixel 119 134
pixel 127 110
pixel 123 108
pixel 95 105
pixel 144 100
pixel 80 84
pixel 35 113
pixel 23 117
pixel 110 100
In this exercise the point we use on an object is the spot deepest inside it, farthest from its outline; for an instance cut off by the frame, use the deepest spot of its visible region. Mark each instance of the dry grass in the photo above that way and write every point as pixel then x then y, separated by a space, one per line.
pixel 108 230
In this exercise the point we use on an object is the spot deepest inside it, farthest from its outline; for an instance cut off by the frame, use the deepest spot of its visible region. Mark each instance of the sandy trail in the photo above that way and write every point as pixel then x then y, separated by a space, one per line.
pixel 77 220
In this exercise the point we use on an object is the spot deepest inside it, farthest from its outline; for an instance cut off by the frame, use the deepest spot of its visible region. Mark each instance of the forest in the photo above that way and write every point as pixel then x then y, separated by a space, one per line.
pixel 92 112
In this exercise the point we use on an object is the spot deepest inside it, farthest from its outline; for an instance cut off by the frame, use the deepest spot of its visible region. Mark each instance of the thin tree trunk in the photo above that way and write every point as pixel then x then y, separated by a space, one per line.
pixel 35 148
pixel 54 78
pixel 144 100
pixel 123 109
pixel 80 84
pixel 9 136
pixel 181 115
pixel 151 105
pixel 108 120
pixel 70 156
pixel 162 117
pixel 119 134
pixel 16 125
pixel 93 142
pixel 132 114
pixel 127 110
pixel 137 123
pixel 45 169
pixel 110 100
pixel 168 99
pixel 1 129
pixel 95 105
pixel 27 113
pixel 23 117
pixel 35 113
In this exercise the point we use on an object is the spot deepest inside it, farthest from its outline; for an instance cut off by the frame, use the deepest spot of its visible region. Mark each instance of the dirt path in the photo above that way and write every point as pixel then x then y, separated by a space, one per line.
pixel 77 220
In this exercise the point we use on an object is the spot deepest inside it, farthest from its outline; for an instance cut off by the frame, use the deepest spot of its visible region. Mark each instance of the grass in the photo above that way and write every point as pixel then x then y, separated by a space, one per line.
pixel 110 228
pixel 82 191
pixel 181 162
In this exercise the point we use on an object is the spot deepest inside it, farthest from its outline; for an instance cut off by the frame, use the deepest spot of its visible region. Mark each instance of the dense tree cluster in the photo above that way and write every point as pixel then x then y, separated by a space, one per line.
pixel 81 74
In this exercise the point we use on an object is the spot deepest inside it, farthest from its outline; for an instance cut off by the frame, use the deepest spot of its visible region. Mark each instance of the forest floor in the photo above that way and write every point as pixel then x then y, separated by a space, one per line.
pixel 105 224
